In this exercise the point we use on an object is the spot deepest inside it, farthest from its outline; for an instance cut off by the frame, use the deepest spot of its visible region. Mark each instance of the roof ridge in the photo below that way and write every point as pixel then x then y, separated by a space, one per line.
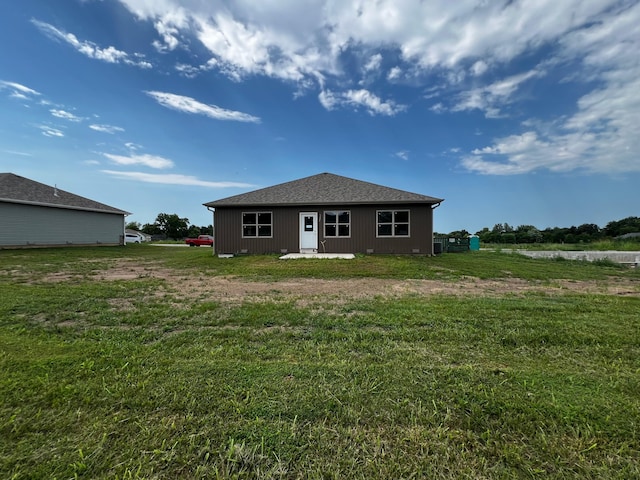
pixel 324 188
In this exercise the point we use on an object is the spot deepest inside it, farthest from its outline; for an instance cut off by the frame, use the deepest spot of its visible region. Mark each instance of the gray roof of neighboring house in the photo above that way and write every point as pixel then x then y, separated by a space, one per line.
pixel 323 189
pixel 17 189
pixel 628 235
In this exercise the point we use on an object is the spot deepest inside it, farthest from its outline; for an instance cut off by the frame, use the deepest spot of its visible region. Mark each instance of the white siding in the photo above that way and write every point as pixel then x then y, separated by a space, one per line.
pixel 24 225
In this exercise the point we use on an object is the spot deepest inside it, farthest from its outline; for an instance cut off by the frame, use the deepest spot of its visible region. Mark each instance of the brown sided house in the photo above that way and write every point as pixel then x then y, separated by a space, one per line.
pixel 324 213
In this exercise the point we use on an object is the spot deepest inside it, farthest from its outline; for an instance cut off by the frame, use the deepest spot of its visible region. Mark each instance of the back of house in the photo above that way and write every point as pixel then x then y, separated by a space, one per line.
pixel 325 213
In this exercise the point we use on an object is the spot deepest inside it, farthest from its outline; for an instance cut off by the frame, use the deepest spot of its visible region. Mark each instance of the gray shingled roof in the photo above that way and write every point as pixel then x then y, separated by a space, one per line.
pixel 323 189
pixel 17 189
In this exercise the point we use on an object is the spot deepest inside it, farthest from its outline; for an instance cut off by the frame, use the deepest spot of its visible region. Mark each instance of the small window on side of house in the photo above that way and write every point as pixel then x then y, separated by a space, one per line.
pixel 257 224
pixel 337 223
pixel 393 223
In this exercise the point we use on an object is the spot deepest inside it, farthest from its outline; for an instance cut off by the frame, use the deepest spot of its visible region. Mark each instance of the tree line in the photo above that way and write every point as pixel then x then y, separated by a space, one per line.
pixel 585 233
pixel 175 227
pixel 170 225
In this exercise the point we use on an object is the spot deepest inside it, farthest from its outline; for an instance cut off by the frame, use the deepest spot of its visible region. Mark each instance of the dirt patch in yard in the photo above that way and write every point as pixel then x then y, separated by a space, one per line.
pixel 236 290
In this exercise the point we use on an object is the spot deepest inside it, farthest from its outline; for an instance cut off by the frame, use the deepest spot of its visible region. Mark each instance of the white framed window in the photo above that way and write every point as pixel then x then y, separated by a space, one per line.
pixel 393 223
pixel 337 223
pixel 257 224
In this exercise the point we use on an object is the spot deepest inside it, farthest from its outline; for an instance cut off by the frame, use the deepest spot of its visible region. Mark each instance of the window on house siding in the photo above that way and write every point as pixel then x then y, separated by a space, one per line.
pixel 257 224
pixel 393 223
pixel 337 224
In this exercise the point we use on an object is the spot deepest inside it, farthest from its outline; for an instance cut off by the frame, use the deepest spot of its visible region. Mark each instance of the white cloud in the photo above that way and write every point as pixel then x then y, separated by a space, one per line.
pixel 152 161
pixel 174 179
pixel 394 74
pixel 491 98
pixel 190 105
pixel 294 40
pixel 589 141
pixel 328 99
pixel 360 98
pixel 191 71
pixel 402 155
pixel 303 42
pixel 48 131
pixel 65 115
pixel 14 152
pixel 187 70
pixel 479 68
pixel 603 134
pixel 109 54
pixel 106 128
pixel 169 33
pixel 446 34
pixel 290 39
pixel 276 39
pixel 461 46
pixel 374 63
pixel 438 108
pixel 17 90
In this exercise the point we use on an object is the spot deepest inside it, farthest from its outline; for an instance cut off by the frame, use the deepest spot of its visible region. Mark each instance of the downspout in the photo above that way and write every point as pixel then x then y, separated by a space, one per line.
pixel 433 207
pixel 213 229
pixel 124 228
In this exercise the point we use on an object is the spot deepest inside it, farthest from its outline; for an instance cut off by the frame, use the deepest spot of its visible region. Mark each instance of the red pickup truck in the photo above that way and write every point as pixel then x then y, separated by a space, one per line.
pixel 201 240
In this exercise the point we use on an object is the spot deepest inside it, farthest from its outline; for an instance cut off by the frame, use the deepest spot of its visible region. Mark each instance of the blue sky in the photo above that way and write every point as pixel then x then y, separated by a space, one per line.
pixel 512 111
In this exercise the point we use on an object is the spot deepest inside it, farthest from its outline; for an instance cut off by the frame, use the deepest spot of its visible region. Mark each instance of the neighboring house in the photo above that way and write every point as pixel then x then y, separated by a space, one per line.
pixel 33 214
pixel 325 213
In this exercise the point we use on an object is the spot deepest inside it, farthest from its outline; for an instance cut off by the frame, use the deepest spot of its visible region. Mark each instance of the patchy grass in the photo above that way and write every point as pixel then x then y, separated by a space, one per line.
pixel 128 379
pixel 83 262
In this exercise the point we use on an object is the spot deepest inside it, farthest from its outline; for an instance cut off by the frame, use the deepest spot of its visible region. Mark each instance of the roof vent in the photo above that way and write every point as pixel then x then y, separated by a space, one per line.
pixel 55 190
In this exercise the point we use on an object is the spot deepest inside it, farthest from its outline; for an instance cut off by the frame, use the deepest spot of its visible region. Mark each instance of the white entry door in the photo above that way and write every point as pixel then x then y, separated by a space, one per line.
pixel 308 232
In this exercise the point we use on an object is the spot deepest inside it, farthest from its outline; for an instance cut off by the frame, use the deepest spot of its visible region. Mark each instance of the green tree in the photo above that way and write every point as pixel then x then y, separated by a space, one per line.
pixel 194 231
pixel 554 235
pixel 206 230
pixel 133 226
pixel 497 234
pixel 620 227
pixel 172 225
pixel 459 234
pixel 508 238
pixel 485 235
pixel 151 229
pixel 527 234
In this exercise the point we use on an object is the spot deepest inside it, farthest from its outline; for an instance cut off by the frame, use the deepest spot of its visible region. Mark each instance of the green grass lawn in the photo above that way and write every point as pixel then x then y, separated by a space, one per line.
pixel 131 379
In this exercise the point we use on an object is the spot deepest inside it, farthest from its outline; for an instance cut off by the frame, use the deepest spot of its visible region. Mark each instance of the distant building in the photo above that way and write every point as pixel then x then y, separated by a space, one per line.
pixel 34 215
pixel 627 236
pixel 325 213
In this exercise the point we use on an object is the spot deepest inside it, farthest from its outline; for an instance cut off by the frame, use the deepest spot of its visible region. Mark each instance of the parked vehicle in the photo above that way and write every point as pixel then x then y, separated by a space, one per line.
pixel 201 240
pixel 131 238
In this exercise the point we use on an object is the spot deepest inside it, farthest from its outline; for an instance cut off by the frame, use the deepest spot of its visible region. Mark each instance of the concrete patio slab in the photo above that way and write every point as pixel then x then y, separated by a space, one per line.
pixel 625 257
